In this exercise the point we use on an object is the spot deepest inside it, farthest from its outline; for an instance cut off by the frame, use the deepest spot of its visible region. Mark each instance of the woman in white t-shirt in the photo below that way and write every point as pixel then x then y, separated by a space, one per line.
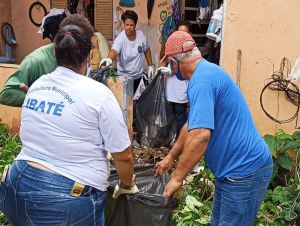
pixel 128 49
pixel 69 123
pixel 176 89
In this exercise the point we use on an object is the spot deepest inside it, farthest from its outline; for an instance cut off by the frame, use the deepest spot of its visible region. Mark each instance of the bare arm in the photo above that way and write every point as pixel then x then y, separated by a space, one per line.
pixel 112 54
pixel 194 147
pixel 124 166
pixel 148 57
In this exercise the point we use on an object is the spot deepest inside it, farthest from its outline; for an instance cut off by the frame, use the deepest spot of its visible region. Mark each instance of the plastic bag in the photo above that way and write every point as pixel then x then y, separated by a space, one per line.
pixel 140 89
pixel 127 3
pixel 155 117
pixel 168 28
pixel 147 208
pixel 101 74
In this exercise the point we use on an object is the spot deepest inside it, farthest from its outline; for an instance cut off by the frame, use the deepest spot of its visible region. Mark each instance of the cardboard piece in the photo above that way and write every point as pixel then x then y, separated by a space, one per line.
pixel 9 115
pixel 122 88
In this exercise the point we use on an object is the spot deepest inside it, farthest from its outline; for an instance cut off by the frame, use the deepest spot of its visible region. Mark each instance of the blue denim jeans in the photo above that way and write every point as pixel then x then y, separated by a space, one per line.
pixel 237 200
pixel 30 196
pixel 181 112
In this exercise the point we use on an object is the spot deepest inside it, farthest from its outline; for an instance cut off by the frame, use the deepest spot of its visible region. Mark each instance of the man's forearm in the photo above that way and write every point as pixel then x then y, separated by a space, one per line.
pixel 194 148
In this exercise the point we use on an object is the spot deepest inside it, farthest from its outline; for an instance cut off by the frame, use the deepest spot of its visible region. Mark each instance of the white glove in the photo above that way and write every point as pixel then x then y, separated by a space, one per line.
pixel 119 191
pixel 164 71
pixel 150 72
pixel 105 62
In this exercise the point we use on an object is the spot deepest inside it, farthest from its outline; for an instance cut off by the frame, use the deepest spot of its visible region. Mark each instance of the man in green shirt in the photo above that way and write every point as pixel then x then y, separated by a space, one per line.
pixel 41 61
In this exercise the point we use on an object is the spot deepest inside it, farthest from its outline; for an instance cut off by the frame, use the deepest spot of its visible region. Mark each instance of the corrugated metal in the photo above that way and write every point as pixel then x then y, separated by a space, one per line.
pixel 59 4
pixel 104 17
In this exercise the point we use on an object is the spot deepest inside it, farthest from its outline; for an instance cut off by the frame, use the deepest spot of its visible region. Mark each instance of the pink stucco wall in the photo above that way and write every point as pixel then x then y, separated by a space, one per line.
pixel 16 13
pixel 26 33
pixel 5 12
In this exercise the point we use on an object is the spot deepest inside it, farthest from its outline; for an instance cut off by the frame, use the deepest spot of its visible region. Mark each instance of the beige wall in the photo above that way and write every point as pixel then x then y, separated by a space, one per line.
pixel 9 115
pixel 265 31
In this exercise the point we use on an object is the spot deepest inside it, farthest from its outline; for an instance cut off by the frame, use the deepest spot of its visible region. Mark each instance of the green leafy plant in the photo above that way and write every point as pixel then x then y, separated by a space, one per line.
pixel 280 207
pixel 196 202
pixel 281 204
pixel 9 149
pixel 111 73
pixel 284 148
pixel 193 213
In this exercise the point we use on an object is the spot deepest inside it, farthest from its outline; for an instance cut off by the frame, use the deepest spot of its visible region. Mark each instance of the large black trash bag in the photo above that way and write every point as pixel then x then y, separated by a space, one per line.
pixel 146 208
pixel 155 116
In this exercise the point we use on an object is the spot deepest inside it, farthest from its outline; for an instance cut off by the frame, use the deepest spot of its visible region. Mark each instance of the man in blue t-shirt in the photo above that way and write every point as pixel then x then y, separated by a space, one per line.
pixel 221 129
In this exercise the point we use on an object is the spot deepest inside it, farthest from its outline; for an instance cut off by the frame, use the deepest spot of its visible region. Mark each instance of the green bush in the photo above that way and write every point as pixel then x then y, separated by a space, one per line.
pixel 281 205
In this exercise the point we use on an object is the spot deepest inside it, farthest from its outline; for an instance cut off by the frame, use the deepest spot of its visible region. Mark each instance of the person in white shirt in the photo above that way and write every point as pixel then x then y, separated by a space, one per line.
pixel 176 89
pixel 60 176
pixel 128 49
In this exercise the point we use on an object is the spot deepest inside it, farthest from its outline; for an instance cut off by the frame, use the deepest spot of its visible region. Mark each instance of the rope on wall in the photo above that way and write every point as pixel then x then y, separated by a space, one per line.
pixel 279 83
pixel 37 5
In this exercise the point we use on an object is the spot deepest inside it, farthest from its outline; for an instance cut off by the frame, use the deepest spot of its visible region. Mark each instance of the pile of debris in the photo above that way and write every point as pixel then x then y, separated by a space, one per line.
pixel 149 155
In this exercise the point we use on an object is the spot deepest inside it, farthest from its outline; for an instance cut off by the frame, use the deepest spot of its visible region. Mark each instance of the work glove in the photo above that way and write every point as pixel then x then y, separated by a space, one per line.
pixel 163 70
pixel 120 189
pixel 105 62
pixel 150 72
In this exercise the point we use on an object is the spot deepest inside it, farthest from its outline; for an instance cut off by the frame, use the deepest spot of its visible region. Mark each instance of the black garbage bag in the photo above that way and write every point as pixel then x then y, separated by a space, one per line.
pixel 147 208
pixel 102 73
pixel 155 117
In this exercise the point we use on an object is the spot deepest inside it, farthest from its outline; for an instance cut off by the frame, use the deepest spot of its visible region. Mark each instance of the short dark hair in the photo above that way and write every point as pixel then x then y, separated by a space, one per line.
pixel 185 23
pixel 129 14
pixel 80 21
pixel 72 46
